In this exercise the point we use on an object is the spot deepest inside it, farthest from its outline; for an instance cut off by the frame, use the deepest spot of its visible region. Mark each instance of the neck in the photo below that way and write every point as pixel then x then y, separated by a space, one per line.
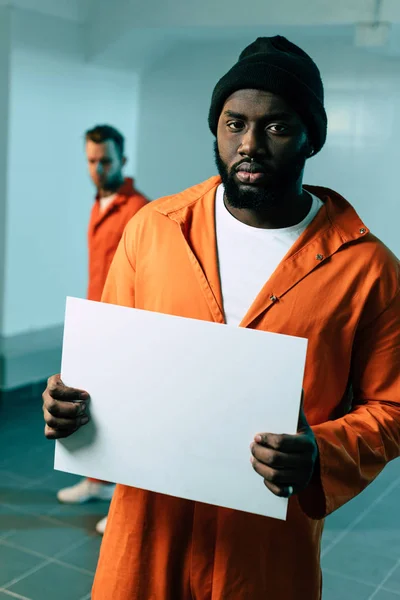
pixel 292 208
pixel 111 189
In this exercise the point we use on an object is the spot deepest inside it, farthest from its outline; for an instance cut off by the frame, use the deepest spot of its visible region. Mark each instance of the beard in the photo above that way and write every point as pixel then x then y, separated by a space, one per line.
pixel 261 198
pixel 112 183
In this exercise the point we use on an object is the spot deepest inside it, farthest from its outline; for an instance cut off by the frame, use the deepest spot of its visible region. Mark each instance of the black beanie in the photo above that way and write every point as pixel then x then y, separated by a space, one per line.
pixel 276 65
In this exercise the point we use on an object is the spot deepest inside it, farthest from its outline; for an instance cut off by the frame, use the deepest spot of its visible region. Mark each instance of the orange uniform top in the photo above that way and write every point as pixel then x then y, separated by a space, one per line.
pixel 338 286
pixel 105 232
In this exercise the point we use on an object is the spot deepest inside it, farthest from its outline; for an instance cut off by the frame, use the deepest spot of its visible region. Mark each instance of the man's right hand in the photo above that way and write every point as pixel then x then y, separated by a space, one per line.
pixel 64 409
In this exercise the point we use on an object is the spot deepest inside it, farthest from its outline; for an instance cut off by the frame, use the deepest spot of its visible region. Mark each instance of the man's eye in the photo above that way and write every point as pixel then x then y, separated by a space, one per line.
pixel 278 128
pixel 235 125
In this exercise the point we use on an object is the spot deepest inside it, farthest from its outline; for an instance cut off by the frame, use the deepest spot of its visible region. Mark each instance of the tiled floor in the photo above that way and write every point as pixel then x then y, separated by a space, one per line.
pixel 361 544
pixel 50 551
pixel 47 550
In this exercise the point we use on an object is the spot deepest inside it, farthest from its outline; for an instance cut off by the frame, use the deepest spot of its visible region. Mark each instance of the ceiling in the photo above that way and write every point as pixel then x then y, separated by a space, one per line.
pixel 132 34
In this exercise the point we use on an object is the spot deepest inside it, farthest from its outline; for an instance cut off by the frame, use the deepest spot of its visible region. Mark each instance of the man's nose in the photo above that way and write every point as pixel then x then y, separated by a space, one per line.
pixel 253 143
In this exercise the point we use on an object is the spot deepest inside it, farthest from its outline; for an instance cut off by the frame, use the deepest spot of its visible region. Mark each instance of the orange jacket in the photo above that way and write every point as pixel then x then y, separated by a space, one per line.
pixel 105 232
pixel 338 286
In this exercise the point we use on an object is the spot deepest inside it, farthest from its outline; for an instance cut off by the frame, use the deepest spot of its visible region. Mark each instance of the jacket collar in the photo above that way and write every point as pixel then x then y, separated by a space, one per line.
pixel 338 213
pixel 335 225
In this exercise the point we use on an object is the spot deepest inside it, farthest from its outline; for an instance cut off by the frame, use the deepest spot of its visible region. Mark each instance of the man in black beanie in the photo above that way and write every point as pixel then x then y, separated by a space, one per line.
pixel 285 83
pixel 255 248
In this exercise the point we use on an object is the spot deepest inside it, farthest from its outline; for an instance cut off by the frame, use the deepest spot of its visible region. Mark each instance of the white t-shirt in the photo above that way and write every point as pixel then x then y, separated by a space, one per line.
pixel 248 256
pixel 106 202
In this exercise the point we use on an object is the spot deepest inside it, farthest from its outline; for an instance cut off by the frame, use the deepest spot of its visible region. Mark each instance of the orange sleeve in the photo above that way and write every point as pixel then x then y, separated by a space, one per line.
pixel 354 449
pixel 120 284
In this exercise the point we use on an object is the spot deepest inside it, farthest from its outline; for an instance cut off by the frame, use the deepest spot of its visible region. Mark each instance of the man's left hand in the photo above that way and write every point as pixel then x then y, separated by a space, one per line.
pixel 286 462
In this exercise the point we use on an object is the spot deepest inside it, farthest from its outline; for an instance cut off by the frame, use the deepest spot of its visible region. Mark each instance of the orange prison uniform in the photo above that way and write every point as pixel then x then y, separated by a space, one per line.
pixel 104 234
pixel 338 286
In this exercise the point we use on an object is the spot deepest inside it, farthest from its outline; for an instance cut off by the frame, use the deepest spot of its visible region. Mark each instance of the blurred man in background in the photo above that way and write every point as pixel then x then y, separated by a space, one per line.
pixel 116 203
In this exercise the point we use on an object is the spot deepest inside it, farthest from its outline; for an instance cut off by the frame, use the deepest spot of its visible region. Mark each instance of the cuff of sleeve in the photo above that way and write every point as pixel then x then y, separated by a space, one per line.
pixel 313 499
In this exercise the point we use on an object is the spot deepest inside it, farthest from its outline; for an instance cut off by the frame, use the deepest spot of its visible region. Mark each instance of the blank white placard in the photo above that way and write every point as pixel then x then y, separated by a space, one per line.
pixel 176 402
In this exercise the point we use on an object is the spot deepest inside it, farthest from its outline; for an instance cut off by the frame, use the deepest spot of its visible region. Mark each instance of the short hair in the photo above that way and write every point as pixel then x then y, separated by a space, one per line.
pixel 102 133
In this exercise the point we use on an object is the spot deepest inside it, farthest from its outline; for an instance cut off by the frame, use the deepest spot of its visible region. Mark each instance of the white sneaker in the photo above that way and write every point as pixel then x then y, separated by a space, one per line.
pixel 85 491
pixel 101 526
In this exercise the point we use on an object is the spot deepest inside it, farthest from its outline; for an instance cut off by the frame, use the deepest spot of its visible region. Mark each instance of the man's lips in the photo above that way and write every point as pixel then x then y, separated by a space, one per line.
pixel 250 173
pixel 249 178
pixel 250 168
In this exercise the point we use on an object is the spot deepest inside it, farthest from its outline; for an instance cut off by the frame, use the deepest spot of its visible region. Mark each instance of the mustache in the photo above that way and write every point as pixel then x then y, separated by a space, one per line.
pixel 250 167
